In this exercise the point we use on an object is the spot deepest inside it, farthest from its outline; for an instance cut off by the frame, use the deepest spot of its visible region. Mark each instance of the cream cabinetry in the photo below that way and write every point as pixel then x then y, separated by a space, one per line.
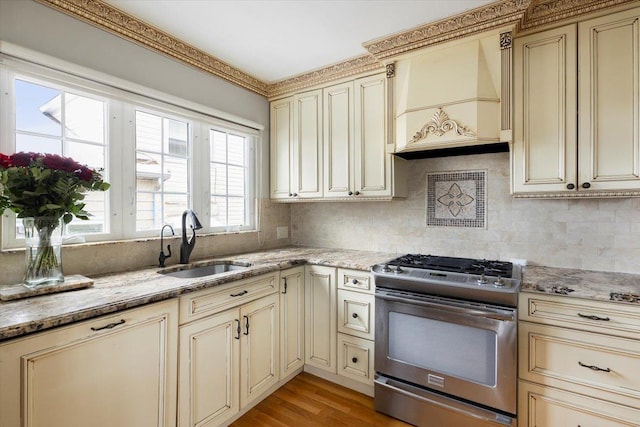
pixel 320 317
pixel 230 357
pixel 115 370
pixel 291 320
pixel 355 130
pixel 591 67
pixel 578 362
pixel 281 148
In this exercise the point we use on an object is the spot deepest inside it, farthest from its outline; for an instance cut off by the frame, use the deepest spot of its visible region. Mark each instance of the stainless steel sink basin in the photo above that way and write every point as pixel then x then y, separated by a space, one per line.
pixel 193 271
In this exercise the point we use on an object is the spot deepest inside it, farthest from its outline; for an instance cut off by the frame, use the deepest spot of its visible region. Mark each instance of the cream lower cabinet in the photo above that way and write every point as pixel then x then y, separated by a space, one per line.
pixel 117 370
pixel 320 317
pixel 231 358
pixel 291 320
pixel 590 67
pixel 578 362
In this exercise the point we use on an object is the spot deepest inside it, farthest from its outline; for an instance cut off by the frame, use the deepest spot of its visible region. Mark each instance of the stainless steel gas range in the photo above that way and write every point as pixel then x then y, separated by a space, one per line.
pixel 446 341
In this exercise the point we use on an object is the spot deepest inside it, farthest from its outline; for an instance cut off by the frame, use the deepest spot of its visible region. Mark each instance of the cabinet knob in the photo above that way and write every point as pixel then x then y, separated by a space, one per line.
pixel 350 193
pixel 354 315
pixel 354 281
pixel 290 194
pixel 570 186
pixel 354 359
pixel 295 194
pixel 586 185
pixel 357 193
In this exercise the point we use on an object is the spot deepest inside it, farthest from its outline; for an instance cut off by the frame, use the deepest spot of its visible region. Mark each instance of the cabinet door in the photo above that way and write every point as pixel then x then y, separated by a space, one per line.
pixel 307 164
pixel 609 69
pixel 355 358
pixel 209 372
pixel 372 170
pixel 259 348
pixel 281 147
pixel 116 370
pixel 545 85
pixel 320 312
pixel 291 320
pixel 338 140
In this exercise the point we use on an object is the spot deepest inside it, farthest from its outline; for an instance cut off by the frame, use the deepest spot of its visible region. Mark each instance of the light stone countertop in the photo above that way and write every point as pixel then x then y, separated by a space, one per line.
pixel 587 284
pixel 115 292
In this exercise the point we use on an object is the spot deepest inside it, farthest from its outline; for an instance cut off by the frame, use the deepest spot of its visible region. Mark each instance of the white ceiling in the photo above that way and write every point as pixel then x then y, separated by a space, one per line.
pixel 276 39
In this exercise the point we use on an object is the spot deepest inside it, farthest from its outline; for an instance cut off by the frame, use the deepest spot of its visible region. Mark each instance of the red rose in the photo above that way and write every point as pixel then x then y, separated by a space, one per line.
pixel 70 165
pixel 22 158
pixel 53 161
pixel 85 173
pixel 5 161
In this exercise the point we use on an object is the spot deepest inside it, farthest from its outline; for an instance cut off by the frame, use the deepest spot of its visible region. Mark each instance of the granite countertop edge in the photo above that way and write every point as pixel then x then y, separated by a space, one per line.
pixel 120 291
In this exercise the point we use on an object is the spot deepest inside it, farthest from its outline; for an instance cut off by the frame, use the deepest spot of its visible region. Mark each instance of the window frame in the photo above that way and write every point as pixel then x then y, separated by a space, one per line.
pixel 122 99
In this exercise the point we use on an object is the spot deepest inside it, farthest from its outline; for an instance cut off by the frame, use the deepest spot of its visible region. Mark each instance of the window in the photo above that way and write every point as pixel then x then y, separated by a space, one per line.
pixel 159 158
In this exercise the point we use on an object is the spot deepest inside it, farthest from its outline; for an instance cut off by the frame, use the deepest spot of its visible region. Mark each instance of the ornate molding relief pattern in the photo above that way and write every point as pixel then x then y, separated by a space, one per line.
pixel 477 20
pixel 109 18
pixel 578 195
pixel 544 12
pixel 439 125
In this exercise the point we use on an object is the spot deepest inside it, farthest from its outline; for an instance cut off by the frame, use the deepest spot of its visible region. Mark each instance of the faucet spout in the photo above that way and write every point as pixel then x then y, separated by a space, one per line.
pixel 188 242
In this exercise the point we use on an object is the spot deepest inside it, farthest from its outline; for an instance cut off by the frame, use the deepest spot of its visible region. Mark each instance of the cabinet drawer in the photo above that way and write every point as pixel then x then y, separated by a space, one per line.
pixel 355 314
pixel 355 358
pixel 594 316
pixel 209 301
pixel 355 280
pixel 602 366
pixel 541 406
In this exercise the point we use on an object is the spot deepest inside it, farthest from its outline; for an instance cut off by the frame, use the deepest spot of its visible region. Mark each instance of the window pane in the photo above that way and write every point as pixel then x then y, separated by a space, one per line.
pixel 84 118
pixel 236 211
pixel 174 205
pixel 176 177
pixel 86 154
pixel 236 150
pixel 38 144
pixel 236 181
pixel 218 211
pixel 148 172
pixel 178 138
pixel 218 179
pixel 148 210
pixel 218 147
pixel 38 108
pixel 148 132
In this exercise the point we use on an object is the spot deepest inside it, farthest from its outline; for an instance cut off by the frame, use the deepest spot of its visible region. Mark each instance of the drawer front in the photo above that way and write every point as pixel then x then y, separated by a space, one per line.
pixel 598 365
pixel 355 314
pixel 548 407
pixel 594 316
pixel 355 358
pixel 355 280
pixel 210 301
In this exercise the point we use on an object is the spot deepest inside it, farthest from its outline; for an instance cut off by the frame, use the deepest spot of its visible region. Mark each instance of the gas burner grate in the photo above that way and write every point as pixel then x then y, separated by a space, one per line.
pixel 617 296
pixel 457 265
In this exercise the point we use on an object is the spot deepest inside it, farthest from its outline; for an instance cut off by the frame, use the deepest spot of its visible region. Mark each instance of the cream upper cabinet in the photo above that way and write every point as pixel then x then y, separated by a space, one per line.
pixel 281 142
pixel 545 126
pixel 609 106
pixel 291 320
pixel 307 145
pixel 338 140
pixel 117 370
pixel 590 70
pixel 320 317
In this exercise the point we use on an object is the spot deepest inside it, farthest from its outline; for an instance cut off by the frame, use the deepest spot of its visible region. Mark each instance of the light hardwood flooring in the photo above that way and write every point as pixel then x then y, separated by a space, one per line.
pixel 309 401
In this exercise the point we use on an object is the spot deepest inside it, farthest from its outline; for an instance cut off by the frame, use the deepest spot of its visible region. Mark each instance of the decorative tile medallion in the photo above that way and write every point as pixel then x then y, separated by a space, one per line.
pixel 457 199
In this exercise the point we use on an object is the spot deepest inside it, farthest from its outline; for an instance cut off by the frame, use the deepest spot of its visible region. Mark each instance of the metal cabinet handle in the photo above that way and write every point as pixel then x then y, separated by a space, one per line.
pixel 570 186
pixel 354 281
pixel 586 185
pixel 354 315
pixel 594 367
pixel 354 359
pixel 109 325
pixel 238 330
pixel 240 293
pixel 350 193
pixel 592 317
pixel 285 286
pixel 246 325
pixel 357 193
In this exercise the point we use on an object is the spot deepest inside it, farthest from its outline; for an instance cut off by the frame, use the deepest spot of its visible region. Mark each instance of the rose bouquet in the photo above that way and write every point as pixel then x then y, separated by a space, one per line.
pixel 47 188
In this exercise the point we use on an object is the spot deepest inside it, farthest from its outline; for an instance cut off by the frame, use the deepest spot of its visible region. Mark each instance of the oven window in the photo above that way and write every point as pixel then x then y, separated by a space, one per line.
pixel 457 350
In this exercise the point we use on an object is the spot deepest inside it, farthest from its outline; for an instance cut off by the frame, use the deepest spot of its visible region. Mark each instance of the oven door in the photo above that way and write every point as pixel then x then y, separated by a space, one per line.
pixel 463 349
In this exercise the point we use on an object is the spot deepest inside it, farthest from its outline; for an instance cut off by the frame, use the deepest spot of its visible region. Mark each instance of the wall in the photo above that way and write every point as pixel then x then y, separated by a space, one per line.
pixel 31 25
pixel 588 234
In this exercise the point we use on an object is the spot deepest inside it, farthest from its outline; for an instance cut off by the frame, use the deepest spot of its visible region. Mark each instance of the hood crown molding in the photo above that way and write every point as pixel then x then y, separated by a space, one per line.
pixel 525 14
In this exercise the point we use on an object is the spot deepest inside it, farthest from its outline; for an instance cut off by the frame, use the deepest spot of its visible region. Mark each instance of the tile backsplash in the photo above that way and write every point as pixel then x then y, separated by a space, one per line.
pixel 593 234
pixel 457 199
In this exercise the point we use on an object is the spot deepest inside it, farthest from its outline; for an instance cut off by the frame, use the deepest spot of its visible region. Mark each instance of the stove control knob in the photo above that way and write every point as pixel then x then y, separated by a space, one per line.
pixel 499 283
pixel 386 268
pixel 399 270
pixel 482 280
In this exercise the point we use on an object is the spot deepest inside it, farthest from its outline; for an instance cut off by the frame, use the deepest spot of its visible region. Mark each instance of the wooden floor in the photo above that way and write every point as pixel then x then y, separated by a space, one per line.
pixel 309 401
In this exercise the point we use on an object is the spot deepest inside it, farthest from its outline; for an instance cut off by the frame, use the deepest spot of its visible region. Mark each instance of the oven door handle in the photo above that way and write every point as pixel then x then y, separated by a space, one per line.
pixel 467 310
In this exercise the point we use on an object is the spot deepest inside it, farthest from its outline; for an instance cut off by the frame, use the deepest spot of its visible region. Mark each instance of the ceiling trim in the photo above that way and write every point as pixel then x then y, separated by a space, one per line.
pixel 484 18
pixel 113 20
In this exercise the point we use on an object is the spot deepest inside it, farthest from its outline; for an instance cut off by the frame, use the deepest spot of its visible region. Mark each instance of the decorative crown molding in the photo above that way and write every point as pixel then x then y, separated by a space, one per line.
pixel 545 12
pixel 493 15
pixel 113 20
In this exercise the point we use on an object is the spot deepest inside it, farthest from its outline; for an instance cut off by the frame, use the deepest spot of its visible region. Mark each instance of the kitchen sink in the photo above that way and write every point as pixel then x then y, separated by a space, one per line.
pixel 192 271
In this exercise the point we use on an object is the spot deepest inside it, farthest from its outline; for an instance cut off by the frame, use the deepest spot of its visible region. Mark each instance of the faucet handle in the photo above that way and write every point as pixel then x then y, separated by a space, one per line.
pixel 162 257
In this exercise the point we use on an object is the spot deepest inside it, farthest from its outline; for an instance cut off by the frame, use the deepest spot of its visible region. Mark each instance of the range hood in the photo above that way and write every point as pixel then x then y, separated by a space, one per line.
pixel 447 100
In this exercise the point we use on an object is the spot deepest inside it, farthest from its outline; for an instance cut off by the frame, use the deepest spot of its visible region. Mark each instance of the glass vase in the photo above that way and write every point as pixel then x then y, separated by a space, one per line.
pixel 43 238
